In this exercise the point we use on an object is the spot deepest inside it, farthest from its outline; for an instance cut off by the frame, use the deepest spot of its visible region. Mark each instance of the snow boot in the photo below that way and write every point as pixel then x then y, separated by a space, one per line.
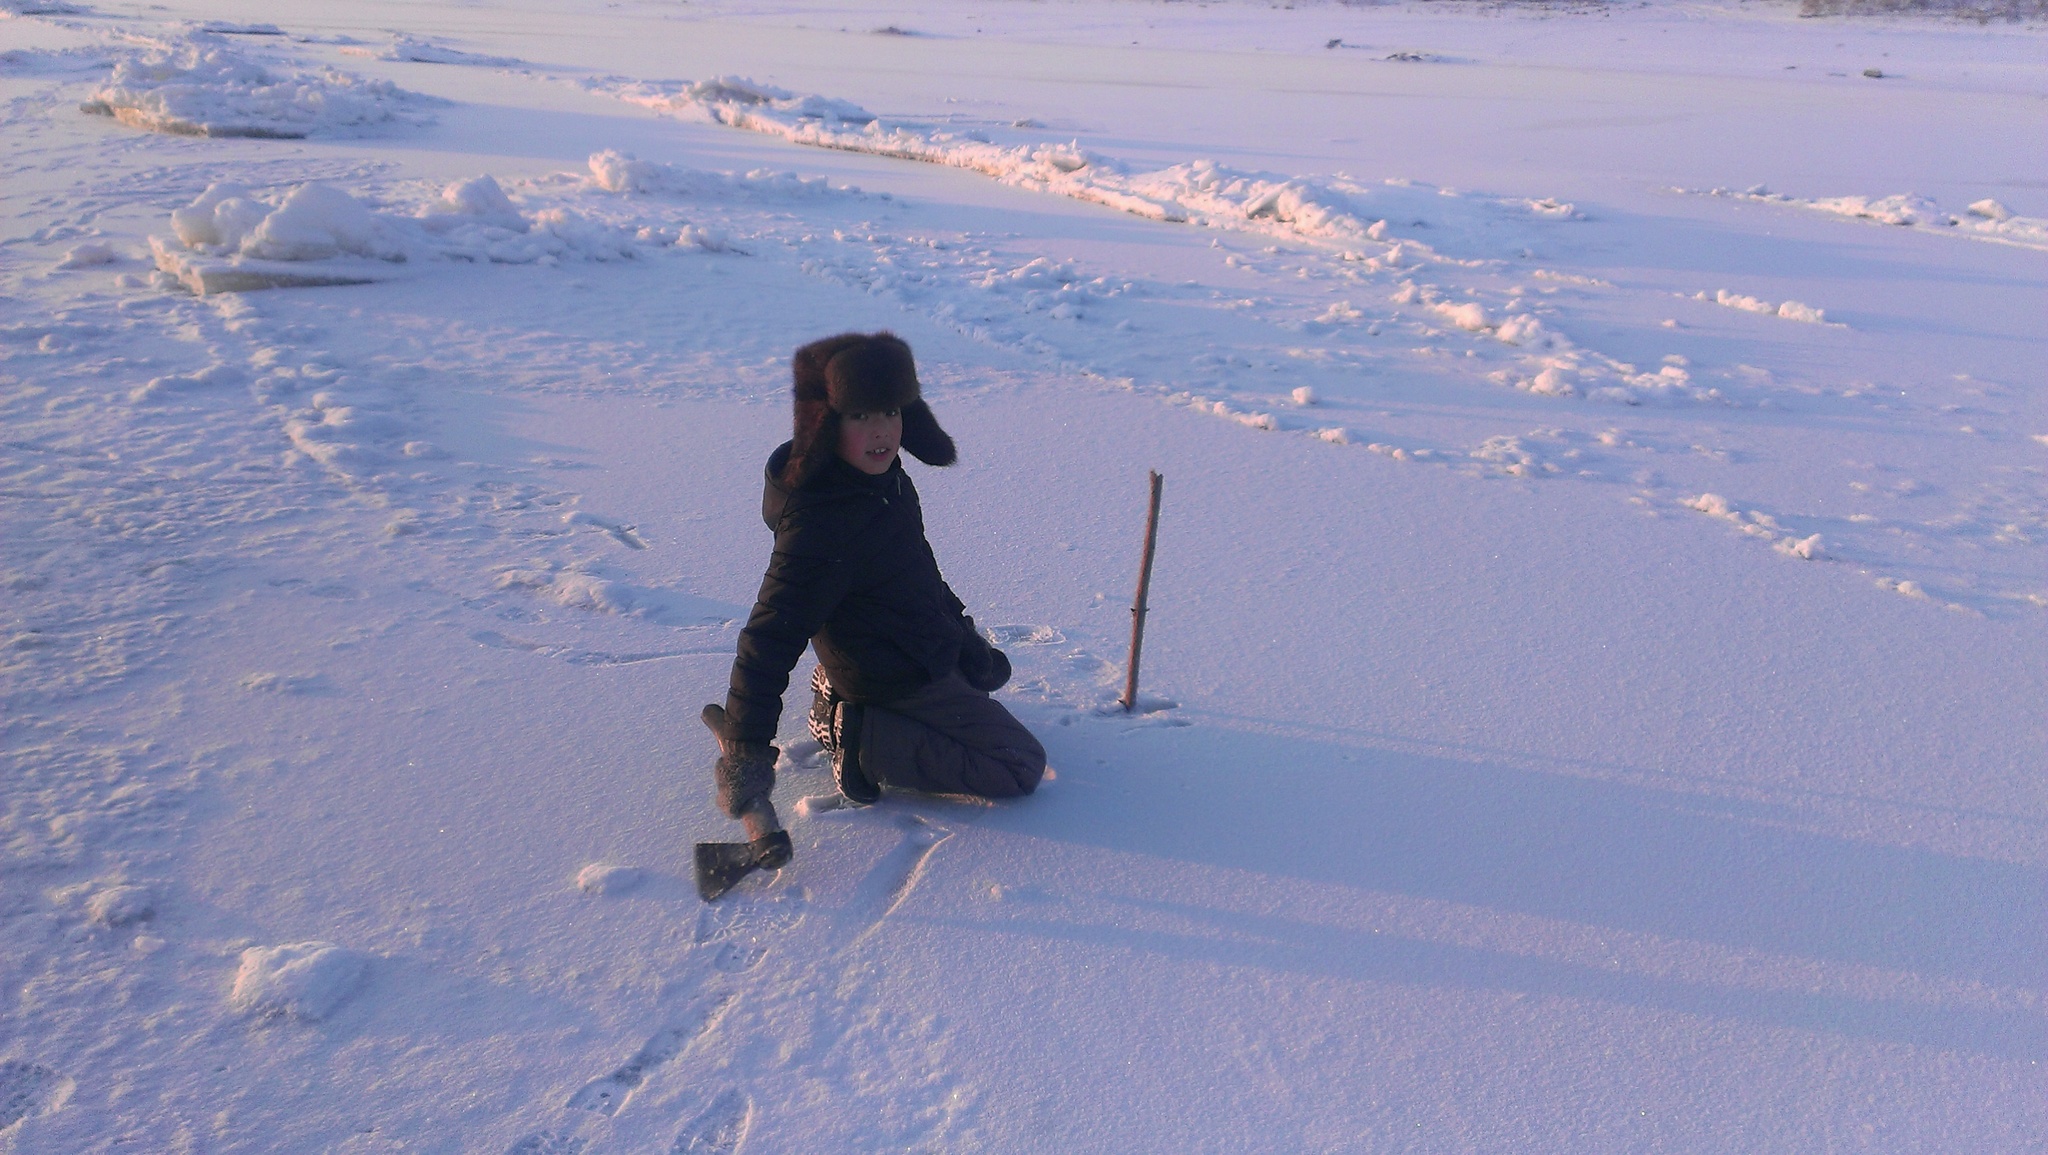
pixel 835 725
pixel 847 774
pixel 822 701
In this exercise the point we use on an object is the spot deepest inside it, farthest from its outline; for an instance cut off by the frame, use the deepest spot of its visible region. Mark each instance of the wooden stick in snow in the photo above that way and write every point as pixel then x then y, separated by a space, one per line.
pixel 1130 698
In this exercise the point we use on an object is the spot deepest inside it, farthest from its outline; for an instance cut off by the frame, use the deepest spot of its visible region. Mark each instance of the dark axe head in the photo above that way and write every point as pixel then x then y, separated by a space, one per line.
pixel 721 865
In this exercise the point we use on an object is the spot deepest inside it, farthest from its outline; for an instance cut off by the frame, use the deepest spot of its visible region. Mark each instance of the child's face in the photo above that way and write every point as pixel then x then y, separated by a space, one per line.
pixel 868 441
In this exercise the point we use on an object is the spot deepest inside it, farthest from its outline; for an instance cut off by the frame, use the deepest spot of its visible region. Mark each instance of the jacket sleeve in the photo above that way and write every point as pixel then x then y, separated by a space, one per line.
pixel 807 578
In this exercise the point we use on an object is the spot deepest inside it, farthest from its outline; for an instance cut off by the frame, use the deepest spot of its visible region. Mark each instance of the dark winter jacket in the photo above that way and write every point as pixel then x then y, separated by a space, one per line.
pixel 853 576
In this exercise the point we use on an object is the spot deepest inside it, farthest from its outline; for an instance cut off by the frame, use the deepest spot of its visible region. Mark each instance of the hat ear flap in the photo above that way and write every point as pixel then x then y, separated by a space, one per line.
pixel 923 438
pixel 816 440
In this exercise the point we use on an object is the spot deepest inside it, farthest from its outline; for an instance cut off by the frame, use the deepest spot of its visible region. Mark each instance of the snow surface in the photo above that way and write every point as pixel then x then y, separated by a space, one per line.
pixel 1593 674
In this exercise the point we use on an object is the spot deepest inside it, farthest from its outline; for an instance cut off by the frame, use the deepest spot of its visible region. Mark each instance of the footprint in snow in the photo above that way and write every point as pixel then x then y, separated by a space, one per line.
pixel 546 1143
pixel 606 1094
pixel 26 1089
pixel 1025 635
pixel 719 1129
pixel 732 957
pixel 749 920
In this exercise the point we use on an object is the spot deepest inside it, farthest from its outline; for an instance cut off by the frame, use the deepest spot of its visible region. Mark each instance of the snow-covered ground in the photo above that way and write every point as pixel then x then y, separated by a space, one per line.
pixel 1597 643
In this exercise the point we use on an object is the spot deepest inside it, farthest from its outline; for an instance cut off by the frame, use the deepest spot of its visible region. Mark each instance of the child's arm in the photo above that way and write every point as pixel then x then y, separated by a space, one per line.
pixel 806 580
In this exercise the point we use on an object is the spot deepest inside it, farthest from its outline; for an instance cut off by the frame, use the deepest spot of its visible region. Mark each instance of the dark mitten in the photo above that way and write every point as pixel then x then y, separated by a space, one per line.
pixel 998 674
pixel 745 771
pixel 984 666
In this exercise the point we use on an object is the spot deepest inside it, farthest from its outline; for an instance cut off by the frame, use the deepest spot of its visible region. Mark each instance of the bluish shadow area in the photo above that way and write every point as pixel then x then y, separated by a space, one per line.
pixel 1598 853
pixel 1276 944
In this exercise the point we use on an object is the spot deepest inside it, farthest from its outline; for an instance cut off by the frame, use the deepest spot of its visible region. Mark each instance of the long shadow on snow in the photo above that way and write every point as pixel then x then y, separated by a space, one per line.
pixel 1271 944
pixel 1677 865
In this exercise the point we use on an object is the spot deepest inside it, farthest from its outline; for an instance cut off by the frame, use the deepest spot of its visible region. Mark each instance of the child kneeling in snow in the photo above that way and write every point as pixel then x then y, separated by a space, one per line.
pixel 901 694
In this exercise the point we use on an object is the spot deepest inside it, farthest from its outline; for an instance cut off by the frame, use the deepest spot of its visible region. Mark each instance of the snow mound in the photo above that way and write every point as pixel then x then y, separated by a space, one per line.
pixel 305 980
pixel 313 222
pixel 1805 548
pixel 1467 315
pixel 474 220
pixel 1985 220
pixel 1788 310
pixel 88 255
pixel 119 906
pixel 607 880
pixel 1891 210
pixel 623 173
pixel 1713 505
pixel 203 87
pixel 1199 192
pixel 480 199
pixel 577 589
pixel 1759 525
pixel 1910 589
pixel 599 588
pixel 1559 368
pixel 407 49
pixel 231 239
pixel 1523 329
pixel 339 435
pixel 1555 366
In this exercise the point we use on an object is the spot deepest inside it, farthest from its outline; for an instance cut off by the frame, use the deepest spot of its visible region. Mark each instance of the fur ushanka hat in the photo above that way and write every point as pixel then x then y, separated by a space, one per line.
pixel 858 373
